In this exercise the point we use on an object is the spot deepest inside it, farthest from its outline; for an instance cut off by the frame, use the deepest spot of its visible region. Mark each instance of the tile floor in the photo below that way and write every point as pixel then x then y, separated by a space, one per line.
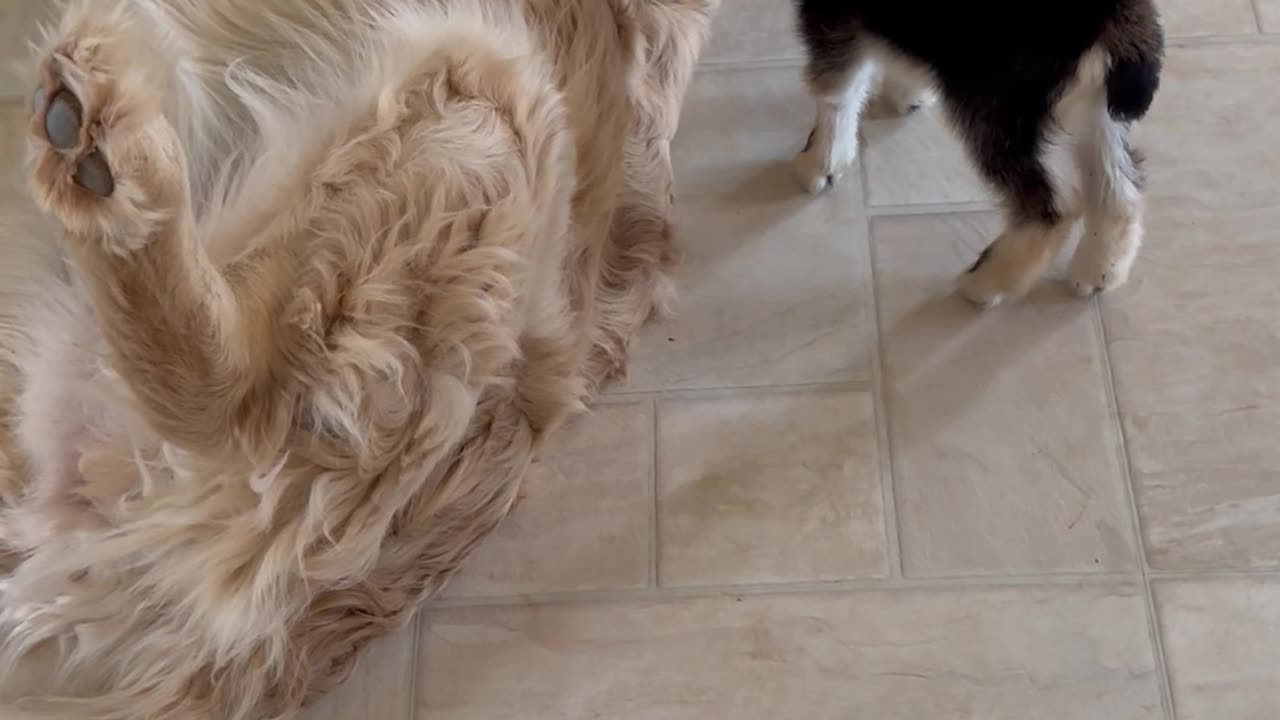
pixel 831 490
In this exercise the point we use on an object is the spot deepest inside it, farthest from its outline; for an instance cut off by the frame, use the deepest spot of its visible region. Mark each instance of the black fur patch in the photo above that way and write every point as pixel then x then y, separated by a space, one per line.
pixel 1131 87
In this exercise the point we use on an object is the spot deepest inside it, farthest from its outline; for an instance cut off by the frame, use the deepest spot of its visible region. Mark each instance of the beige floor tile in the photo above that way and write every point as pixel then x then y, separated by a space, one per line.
pixel 1195 336
pixel 381 688
pixel 1269 12
pixel 775 285
pixel 1014 654
pixel 1006 455
pixel 770 488
pixel 1194 342
pixel 739 130
pixel 917 159
pixel 748 30
pixel 1222 646
pixel 585 522
pixel 18 23
pixel 1212 138
pixel 1185 18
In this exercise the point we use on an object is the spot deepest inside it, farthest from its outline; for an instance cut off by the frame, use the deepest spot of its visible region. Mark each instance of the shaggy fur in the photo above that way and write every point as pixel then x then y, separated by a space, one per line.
pixel 1018 79
pixel 316 280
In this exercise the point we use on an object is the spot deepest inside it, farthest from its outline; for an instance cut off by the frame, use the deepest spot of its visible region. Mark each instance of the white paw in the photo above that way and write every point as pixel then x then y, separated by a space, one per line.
pixel 980 285
pixel 819 167
pixel 1090 275
pixel 1101 266
pixel 980 290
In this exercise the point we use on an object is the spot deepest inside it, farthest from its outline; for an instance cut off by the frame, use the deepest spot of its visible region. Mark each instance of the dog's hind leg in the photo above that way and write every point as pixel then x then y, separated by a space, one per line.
pixel 1111 178
pixel 1008 144
pixel 1112 194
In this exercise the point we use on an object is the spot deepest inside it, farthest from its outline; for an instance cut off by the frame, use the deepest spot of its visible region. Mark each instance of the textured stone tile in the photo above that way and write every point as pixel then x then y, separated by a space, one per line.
pixel 1194 342
pixel 381 688
pixel 1222 647
pixel 1269 11
pixel 769 488
pixel 1006 456
pixel 775 285
pixel 584 523
pixel 1066 654
pixel 1212 139
pixel 739 130
pixel 1195 336
pixel 752 30
pixel 1184 18
pixel 917 159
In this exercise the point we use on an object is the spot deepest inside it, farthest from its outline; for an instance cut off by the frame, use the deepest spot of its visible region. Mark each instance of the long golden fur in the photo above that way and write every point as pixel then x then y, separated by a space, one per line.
pixel 262 392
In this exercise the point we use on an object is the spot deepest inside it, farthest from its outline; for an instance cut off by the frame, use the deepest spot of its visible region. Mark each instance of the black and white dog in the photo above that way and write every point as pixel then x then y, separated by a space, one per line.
pixel 1015 77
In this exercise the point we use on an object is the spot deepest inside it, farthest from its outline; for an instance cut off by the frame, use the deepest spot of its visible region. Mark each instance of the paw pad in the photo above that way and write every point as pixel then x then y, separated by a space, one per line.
pixel 94 174
pixel 62 120
pixel 63 124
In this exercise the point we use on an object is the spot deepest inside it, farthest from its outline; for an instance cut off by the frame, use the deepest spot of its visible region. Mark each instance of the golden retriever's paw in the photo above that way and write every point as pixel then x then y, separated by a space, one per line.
pixel 105 162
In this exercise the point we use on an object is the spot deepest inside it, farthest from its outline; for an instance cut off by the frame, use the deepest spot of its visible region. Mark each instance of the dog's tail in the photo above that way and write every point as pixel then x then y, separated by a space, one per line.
pixel 1135 41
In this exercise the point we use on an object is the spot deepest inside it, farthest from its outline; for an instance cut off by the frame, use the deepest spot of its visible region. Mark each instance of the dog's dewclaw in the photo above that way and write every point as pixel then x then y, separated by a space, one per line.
pixel 62 121
pixel 93 174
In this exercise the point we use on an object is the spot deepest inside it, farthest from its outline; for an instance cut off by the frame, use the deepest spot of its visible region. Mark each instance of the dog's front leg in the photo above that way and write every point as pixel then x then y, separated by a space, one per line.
pixel 196 350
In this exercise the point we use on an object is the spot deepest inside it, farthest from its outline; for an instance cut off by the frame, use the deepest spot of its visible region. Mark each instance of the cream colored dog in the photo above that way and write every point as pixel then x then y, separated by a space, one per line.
pixel 326 273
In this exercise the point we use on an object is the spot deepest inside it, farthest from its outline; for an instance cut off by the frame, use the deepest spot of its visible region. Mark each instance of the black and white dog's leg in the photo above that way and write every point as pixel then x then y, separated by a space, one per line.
pixel 1112 193
pixel 841 77
pixel 1014 261
pixel 1009 152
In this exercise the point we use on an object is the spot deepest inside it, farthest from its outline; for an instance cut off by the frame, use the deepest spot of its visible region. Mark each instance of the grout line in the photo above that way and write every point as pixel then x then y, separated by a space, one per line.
pixel 412 711
pixel 653 494
pixel 714 392
pixel 1215 574
pixel 964 208
pixel 782 61
pixel 884 435
pixel 1131 492
pixel 864 585
pixel 1222 40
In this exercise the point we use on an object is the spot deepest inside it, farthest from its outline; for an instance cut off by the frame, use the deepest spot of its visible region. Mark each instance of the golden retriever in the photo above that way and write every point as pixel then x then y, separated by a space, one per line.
pixel 314 281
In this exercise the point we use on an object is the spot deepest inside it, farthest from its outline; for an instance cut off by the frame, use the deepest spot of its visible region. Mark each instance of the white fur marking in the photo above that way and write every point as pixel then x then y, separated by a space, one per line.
pixel 833 146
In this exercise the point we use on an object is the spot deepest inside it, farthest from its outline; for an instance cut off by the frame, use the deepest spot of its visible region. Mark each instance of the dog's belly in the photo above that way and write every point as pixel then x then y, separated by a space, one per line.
pixel 74 427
